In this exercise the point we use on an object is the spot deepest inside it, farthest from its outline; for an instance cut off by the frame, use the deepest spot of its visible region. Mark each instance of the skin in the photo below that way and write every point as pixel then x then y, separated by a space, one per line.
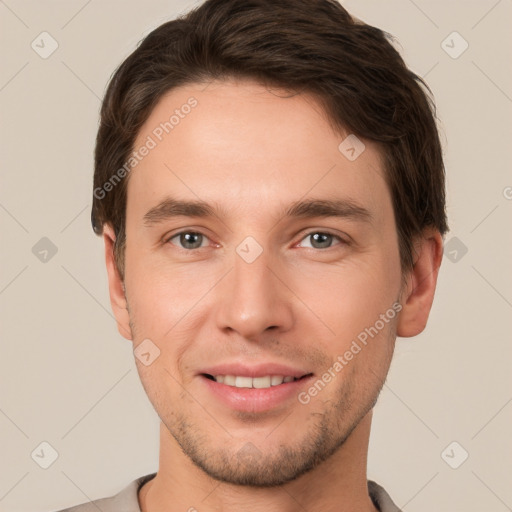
pixel 250 153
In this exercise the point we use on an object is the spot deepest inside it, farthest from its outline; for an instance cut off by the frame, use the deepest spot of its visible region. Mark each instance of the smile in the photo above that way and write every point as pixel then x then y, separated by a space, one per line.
pixel 239 381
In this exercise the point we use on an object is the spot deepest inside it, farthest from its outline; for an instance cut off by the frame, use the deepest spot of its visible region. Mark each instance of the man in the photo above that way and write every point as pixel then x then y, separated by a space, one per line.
pixel 269 185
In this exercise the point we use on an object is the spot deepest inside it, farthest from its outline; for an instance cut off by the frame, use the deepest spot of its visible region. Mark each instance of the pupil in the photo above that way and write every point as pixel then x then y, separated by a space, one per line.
pixel 321 240
pixel 191 240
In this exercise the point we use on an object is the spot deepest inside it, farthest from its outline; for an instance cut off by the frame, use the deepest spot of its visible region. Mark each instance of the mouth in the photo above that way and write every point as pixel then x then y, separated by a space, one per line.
pixel 256 388
pixel 263 382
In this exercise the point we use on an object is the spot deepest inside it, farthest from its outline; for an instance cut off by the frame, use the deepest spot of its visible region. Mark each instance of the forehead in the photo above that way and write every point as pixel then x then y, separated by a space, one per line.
pixel 242 145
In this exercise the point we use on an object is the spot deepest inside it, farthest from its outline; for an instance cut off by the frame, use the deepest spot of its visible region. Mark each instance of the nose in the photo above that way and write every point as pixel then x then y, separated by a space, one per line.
pixel 255 299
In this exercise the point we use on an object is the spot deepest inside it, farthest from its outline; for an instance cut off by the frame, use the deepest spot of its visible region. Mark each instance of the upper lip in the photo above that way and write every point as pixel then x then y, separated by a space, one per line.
pixel 258 370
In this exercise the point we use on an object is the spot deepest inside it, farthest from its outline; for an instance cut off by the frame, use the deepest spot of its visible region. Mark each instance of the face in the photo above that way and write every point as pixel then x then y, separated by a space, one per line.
pixel 256 250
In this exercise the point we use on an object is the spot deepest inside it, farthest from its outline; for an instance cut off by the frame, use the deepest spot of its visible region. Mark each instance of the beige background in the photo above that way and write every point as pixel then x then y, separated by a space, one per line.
pixel 69 379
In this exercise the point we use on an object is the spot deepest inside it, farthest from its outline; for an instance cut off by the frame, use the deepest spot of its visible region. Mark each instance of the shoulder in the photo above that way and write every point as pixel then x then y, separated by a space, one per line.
pixel 125 500
pixel 381 498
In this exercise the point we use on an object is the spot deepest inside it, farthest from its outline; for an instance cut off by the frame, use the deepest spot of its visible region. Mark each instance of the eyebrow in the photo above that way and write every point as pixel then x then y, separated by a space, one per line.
pixel 342 208
pixel 169 208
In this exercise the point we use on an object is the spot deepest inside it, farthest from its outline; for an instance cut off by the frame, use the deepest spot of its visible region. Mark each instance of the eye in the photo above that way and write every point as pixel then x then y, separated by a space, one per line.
pixel 189 240
pixel 319 240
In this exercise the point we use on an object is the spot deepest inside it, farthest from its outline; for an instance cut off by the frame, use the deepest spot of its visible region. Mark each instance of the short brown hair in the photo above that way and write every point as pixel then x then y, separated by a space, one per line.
pixel 306 46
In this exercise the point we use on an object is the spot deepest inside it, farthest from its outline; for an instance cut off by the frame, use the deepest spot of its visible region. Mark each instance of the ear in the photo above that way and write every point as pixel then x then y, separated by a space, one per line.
pixel 116 285
pixel 418 291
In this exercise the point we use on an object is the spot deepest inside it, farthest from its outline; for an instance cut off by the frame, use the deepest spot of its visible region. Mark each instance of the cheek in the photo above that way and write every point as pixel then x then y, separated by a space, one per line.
pixel 162 297
pixel 351 297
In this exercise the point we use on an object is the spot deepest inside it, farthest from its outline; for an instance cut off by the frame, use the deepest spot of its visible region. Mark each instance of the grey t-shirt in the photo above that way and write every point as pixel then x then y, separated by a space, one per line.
pixel 127 499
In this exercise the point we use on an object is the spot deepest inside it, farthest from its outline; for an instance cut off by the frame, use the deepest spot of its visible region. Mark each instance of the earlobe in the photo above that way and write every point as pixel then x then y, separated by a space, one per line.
pixel 418 293
pixel 116 285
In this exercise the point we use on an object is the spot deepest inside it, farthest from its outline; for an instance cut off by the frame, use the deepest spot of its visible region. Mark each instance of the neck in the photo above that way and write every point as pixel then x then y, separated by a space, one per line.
pixel 339 483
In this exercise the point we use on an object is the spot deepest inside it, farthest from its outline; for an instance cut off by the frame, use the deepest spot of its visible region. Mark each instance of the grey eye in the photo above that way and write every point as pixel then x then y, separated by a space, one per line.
pixel 318 240
pixel 188 240
pixel 321 240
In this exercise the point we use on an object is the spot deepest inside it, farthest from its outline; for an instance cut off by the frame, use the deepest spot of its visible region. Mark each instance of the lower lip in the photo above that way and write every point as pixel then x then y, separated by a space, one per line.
pixel 253 399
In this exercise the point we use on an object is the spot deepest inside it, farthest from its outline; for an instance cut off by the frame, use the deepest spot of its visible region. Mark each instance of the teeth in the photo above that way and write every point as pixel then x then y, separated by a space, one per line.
pixel 276 380
pixel 243 382
pixel 229 380
pixel 267 381
pixel 261 382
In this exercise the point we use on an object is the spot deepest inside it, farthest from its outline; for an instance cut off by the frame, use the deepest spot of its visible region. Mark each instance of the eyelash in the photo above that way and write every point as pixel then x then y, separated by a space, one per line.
pixel 328 233
pixel 309 234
